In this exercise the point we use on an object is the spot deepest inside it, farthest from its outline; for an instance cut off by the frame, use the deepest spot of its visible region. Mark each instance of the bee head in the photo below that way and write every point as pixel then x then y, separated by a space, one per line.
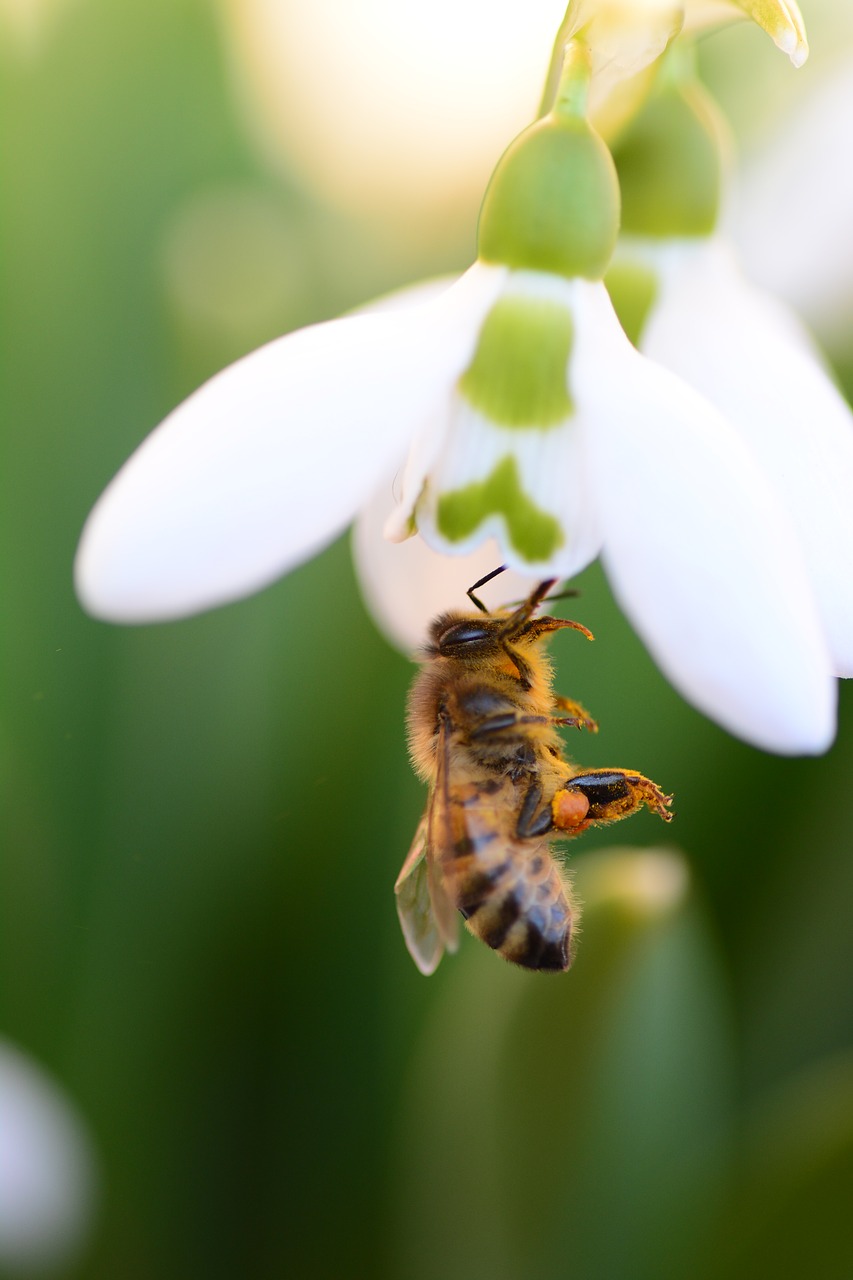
pixel 475 636
pixel 455 635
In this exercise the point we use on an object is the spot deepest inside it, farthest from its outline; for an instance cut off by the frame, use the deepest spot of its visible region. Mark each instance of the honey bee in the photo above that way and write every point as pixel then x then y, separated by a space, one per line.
pixel 483 725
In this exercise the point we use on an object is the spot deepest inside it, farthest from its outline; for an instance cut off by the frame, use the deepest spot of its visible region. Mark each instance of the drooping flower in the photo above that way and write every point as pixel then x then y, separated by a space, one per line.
pixel 529 418
pixel 794 208
pixel 687 305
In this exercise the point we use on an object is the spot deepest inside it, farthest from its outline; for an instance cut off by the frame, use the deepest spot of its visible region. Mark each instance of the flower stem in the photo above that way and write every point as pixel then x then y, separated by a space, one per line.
pixel 573 92
pixel 558 58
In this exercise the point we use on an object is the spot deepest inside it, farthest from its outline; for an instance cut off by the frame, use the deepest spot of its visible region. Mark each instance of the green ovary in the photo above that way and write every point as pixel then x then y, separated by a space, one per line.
pixel 519 374
pixel 534 534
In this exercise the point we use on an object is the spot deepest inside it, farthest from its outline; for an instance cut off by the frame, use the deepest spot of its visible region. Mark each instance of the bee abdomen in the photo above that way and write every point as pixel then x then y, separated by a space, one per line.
pixel 520 908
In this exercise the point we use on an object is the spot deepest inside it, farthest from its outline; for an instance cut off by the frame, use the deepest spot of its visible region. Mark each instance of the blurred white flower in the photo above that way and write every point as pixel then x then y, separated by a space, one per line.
pixel 746 352
pixel 46 1168
pixel 276 455
pixel 386 107
pixel 794 205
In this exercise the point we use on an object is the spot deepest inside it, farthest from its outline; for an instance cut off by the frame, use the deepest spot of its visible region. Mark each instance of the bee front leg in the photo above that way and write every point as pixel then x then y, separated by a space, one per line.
pixel 578 716
pixel 606 795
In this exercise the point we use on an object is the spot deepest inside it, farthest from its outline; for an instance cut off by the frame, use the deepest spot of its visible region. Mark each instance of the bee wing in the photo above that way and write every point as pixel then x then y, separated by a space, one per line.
pixel 414 904
pixel 428 915
pixel 439 839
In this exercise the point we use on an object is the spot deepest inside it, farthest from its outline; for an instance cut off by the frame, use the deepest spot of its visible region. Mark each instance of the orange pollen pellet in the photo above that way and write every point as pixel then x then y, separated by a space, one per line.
pixel 569 808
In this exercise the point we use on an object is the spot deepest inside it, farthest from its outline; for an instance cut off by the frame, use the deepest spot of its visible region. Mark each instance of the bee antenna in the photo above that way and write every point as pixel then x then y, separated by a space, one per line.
pixel 481 583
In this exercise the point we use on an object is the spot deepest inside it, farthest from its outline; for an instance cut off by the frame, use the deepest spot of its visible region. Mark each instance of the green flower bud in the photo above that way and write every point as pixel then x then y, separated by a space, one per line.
pixel 670 164
pixel 553 200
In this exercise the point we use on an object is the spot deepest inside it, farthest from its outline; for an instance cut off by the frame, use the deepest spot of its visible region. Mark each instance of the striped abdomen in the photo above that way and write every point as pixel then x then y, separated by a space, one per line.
pixel 510 891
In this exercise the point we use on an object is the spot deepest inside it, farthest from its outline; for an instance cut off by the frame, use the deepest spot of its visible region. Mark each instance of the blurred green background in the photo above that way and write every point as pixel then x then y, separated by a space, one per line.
pixel 202 822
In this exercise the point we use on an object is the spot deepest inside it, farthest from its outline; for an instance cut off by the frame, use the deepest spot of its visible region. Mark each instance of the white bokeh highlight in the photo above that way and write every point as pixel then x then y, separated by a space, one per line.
pixel 47 1169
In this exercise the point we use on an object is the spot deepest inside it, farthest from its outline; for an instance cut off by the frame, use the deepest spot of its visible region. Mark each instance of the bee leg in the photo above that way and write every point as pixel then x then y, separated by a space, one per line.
pixel 505 720
pixel 528 607
pixel 606 796
pixel 522 666
pixel 533 820
pixel 578 714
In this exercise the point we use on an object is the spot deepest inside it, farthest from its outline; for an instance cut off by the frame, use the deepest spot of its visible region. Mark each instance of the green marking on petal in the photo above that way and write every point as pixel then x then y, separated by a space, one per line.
pixel 534 534
pixel 519 374
pixel 633 290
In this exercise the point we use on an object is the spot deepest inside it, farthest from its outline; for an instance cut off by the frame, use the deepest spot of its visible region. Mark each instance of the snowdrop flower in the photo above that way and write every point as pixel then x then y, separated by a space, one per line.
pixel 693 311
pixel 529 418
pixel 46 1169
pixel 794 205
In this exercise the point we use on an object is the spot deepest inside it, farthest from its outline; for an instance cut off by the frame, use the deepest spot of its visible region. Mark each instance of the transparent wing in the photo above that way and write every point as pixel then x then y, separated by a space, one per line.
pixel 414 904
pixel 440 841
pixel 427 911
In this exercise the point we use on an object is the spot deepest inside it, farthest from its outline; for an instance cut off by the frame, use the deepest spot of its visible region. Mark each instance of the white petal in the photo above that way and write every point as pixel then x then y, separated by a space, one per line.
pixel 781 19
pixel 46 1168
pixel 411 295
pixel 269 461
pixel 699 551
pixel 407 584
pixel 794 208
pixel 740 349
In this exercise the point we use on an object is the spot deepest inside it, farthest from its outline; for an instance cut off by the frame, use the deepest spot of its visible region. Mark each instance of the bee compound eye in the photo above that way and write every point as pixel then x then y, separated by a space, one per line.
pixel 462 634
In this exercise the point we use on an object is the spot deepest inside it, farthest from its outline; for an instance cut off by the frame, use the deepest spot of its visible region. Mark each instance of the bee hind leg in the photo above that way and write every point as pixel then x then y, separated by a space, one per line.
pixel 607 795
